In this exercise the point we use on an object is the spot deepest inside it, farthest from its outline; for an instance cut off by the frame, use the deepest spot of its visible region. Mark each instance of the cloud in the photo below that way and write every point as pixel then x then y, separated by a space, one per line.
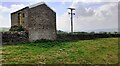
pixel 63 22
pixel 4 21
pixel 87 18
pixel 5 14
pixel 82 11
pixel 16 7
pixel 4 9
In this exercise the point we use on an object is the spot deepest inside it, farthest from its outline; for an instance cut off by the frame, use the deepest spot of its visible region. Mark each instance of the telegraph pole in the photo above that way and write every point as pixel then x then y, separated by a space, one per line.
pixel 71 13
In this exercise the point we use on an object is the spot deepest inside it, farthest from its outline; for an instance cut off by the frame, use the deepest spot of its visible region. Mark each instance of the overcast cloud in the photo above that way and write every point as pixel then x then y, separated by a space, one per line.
pixel 104 16
pixel 5 20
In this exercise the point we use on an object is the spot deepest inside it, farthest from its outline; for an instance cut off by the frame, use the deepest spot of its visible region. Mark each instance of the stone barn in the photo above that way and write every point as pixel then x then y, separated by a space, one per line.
pixel 39 20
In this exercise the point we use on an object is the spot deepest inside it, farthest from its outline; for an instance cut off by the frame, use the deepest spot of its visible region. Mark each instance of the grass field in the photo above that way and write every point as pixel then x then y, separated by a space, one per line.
pixel 97 51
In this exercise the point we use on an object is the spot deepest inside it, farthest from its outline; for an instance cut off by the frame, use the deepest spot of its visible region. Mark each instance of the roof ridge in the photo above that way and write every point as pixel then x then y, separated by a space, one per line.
pixel 34 5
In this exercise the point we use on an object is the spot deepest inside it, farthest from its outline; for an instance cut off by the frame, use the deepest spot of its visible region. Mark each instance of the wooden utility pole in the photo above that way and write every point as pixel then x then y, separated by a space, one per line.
pixel 71 13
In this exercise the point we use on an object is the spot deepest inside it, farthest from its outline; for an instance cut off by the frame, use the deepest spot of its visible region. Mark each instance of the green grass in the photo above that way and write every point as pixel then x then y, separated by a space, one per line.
pixel 97 51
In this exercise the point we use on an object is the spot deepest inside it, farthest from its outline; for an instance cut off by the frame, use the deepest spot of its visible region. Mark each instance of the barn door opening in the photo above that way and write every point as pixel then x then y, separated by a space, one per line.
pixel 20 19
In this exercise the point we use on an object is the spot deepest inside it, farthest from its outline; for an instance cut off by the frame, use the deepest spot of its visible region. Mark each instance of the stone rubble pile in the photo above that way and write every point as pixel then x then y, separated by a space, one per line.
pixel 14 37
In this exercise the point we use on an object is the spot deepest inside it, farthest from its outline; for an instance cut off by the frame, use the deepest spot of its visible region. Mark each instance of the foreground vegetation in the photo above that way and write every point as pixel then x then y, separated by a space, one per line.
pixel 97 51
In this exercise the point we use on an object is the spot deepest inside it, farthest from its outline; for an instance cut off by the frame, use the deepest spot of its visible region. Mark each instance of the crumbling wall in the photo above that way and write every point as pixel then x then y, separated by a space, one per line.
pixel 14 37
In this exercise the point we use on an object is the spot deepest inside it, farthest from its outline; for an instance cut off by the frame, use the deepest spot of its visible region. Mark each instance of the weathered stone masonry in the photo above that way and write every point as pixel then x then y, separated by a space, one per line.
pixel 23 14
pixel 42 26
pixel 39 20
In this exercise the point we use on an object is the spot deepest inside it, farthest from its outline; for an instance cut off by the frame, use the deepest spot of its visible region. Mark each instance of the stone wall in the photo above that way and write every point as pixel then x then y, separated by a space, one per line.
pixel 12 37
pixel 42 23
pixel 24 17
pixel 84 37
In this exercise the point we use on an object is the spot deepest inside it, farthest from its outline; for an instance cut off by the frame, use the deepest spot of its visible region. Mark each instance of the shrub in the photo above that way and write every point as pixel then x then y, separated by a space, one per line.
pixel 20 28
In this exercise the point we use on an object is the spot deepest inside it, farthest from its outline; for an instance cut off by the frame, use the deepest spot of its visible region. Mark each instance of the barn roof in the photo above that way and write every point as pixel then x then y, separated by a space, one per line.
pixel 40 3
pixel 32 6
pixel 37 4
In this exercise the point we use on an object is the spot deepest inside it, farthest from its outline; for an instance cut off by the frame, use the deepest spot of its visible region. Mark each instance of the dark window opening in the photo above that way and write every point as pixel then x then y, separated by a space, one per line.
pixel 23 15
pixel 18 18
